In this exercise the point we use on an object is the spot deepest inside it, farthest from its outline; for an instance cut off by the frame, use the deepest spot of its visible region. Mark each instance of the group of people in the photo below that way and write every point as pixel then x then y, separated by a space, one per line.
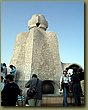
pixel 11 94
pixel 7 84
pixel 4 73
pixel 71 85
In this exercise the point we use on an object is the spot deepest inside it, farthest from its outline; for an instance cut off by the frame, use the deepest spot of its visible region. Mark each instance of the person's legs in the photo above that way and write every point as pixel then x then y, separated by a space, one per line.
pixel 78 95
pixel 75 93
pixel 38 102
pixel 65 96
pixel 31 102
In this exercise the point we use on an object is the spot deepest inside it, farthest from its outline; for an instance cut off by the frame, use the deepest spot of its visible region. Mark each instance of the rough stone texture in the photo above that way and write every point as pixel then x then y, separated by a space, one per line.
pixel 37 52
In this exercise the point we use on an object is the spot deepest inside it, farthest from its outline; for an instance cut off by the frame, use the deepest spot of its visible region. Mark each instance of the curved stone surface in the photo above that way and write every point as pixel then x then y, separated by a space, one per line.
pixel 38 20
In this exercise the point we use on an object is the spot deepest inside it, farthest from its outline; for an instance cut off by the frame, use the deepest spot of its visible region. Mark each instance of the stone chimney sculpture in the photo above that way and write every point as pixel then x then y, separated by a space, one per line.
pixel 37 52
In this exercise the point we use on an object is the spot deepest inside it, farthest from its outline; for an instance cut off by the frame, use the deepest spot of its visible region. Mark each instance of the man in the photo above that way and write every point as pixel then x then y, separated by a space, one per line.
pixel 2 83
pixel 4 71
pixel 13 71
pixel 2 79
pixel 76 86
pixel 36 100
pixel 64 84
pixel 10 92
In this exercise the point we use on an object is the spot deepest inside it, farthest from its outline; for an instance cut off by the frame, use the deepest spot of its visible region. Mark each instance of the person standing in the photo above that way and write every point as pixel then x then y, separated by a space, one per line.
pixel 4 68
pixel 13 71
pixel 36 100
pixel 10 92
pixel 4 71
pixel 2 78
pixel 2 83
pixel 76 86
pixel 64 84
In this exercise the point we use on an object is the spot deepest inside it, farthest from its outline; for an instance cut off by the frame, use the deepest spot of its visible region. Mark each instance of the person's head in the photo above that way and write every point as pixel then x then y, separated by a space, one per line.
pixel 9 78
pixel 34 76
pixel 65 72
pixel 11 66
pixel 4 64
pixel 75 70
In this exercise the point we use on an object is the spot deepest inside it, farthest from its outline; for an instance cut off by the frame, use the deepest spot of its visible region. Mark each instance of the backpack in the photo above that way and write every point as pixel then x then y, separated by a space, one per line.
pixel 32 91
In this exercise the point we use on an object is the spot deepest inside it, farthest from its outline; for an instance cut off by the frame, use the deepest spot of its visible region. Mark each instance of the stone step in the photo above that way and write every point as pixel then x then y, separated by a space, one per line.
pixel 56 101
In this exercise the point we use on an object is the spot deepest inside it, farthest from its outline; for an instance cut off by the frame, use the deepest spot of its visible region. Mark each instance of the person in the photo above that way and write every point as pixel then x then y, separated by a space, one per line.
pixel 10 92
pixel 70 94
pixel 13 71
pixel 20 99
pixel 3 75
pixel 81 75
pixel 2 83
pixel 64 84
pixel 4 71
pixel 76 86
pixel 36 100
pixel 4 68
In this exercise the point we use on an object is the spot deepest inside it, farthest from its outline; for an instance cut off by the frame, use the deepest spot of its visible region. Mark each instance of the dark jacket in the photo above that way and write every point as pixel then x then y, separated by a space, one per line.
pixel 32 83
pixel 75 78
pixel 9 94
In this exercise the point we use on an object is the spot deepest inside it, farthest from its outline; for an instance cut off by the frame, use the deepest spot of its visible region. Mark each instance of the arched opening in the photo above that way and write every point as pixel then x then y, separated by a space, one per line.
pixel 81 72
pixel 48 87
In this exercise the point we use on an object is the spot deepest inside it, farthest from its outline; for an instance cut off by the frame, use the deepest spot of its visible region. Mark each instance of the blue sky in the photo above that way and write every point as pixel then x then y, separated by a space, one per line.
pixel 64 18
